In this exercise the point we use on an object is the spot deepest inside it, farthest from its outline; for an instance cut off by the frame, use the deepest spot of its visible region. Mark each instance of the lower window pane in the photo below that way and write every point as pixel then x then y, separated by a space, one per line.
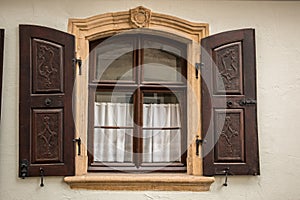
pixel 113 145
pixel 161 127
pixel 113 127
pixel 161 145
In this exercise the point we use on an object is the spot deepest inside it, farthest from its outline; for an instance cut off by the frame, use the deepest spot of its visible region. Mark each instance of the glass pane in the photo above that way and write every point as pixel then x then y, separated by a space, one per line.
pixel 114 61
pixel 113 109
pixel 113 127
pixel 162 127
pixel 161 110
pixel 113 145
pixel 162 62
pixel 161 145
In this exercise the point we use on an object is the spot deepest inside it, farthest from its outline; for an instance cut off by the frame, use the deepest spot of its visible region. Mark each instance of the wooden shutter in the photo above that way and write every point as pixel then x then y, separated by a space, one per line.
pixel 229 124
pixel 45 112
pixel 1 64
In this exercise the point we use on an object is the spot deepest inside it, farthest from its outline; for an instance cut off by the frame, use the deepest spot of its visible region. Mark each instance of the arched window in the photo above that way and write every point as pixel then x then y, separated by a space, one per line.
pixel 137 103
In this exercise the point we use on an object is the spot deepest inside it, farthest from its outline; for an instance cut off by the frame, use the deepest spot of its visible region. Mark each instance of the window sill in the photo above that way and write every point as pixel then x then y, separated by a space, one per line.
pixel 158 182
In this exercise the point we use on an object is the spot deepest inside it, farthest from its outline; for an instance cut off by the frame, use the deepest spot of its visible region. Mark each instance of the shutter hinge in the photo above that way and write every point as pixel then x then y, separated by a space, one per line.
pixel 24 169
pixel 78 141
pixel 79 62
pixel 198 66
pixel 198 142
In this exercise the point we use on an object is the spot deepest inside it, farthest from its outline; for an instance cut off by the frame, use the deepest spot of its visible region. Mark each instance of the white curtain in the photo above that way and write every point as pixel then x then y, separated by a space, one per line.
pixel 115 145
pixel 161 145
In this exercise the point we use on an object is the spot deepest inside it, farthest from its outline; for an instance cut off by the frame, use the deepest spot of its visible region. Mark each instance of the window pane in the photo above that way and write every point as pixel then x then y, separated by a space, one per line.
pixel 161 110
pixel 113 127
pixel 161 145
pixel 113 109
pixel 162 127
pixel 114 61
pixel 162 62
pixel 113 145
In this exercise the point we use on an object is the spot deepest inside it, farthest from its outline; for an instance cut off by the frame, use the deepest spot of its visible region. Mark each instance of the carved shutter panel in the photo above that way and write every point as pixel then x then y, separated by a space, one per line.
pixel 45 112
pixel 1 63
pixel 229 104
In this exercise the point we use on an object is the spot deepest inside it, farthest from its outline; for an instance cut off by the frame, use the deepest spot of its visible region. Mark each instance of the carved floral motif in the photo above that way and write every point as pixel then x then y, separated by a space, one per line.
pixel 46 67
pixel 140 17
pixel 49 138
pixel 229 70
pixel 228 133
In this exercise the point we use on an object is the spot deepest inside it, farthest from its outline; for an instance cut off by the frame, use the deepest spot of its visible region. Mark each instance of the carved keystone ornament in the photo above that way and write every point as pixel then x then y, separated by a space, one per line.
pixel 140 17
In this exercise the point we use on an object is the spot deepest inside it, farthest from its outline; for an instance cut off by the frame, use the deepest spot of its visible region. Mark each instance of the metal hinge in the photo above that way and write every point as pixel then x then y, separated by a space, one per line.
pixel 198 66
pixel 78 141
pixel 198 142
pixel 79 62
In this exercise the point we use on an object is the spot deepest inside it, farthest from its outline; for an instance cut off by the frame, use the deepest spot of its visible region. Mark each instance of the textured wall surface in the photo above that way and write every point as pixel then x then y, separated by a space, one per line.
pixel 278 80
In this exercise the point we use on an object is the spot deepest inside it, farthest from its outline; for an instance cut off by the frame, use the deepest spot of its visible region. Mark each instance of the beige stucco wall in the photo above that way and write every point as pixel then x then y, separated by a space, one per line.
pixel 278 79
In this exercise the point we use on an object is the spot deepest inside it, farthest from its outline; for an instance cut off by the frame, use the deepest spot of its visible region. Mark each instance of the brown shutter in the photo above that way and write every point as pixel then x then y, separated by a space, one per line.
pixel 45 112
pixel 1 63
pixel 229 104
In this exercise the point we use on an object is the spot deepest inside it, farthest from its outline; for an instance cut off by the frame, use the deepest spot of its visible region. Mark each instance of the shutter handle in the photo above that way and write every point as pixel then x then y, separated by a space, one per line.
pixel 42 173
pixel 48 102
pixel 229 103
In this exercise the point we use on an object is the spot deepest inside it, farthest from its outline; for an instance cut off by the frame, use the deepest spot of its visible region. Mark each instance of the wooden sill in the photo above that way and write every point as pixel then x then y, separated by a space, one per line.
pixel 157 182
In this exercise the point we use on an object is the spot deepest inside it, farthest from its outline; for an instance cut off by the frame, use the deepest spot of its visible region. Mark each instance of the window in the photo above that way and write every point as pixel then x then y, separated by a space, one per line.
pixel 137 105
pixel 218 107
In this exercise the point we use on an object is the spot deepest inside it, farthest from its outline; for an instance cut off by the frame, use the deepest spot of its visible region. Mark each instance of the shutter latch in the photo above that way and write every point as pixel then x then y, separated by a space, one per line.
pixel 78 141
pixel 226 170
pixel 24 169
pixel 197 68
pixel 79 62
pixel 42 173
pixel 245 102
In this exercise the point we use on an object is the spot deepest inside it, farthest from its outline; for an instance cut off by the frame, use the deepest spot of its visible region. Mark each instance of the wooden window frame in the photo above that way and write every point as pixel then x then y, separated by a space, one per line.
pixel 104 25
pixel 143 87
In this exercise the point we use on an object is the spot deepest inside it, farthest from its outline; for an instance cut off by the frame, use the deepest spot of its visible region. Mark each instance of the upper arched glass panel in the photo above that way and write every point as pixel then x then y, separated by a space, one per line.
pixel 137 58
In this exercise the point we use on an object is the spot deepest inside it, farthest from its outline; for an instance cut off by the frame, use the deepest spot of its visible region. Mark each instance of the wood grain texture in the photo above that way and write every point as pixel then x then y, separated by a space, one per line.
pixel 229 126
pixel 45 111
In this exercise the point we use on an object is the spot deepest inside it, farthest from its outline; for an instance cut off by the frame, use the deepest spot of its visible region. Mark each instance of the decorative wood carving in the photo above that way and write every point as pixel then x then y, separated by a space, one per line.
pixel 140 17
pixel 45 106
pixel 228 76
pixel 47 125
pixel 47 68
pixel 230 135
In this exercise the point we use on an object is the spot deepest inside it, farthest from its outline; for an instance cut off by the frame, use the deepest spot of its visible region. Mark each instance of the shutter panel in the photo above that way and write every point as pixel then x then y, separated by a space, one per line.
pixel 45 112
pixel 1 64
pixel 229 124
